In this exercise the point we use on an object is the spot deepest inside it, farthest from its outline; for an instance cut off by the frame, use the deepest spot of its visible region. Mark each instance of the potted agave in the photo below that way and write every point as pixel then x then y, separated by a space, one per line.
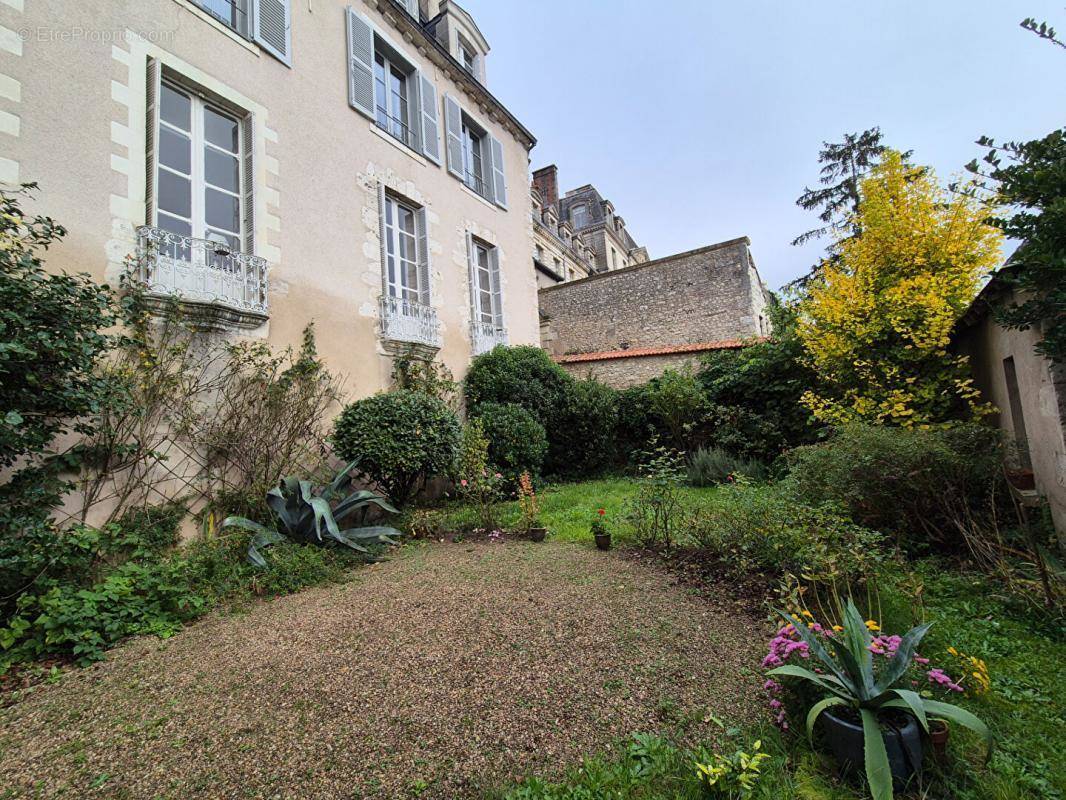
pixel 530 508
pixel 600 532
pixel 869 710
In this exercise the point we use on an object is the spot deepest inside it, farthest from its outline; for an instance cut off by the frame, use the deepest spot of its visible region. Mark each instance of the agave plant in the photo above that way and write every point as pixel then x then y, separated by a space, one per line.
pixel 306 514
pixel 851 680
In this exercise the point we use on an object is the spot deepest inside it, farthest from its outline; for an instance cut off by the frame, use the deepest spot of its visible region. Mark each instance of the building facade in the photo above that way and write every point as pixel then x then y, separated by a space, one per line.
pixel 583 215
pixel 273 163
pixel 558 255
pixel 1027 391
pixel 626 326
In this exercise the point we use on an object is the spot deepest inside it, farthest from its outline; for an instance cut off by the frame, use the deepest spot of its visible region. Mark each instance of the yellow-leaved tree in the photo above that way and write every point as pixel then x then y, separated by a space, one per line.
pixel 876 324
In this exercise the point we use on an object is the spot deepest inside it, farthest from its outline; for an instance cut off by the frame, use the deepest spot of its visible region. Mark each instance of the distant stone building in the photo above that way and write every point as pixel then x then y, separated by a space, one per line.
pixel 558 255
pixel 626 326
pixel 578 234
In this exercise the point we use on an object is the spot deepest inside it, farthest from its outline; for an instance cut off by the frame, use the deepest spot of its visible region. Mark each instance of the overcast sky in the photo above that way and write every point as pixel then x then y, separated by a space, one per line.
pixel 701 120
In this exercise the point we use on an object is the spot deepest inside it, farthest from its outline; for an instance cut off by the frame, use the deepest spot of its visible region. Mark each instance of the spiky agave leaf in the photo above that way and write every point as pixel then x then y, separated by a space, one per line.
pixel 264 537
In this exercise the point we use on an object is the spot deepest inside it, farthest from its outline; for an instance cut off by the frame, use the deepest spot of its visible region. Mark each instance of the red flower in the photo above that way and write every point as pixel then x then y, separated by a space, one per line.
pixel 601 511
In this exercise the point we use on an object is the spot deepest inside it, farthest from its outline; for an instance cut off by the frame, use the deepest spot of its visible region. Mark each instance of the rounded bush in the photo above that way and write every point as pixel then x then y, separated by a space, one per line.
pixel 525 375
pixel 517 442
pixel 401 438
pixel 581 437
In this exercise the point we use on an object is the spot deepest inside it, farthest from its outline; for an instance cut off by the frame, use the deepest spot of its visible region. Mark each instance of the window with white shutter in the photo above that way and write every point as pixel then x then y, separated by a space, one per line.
pixel 272 27
pixel 487 324
pixel 499 181
pixel 385 85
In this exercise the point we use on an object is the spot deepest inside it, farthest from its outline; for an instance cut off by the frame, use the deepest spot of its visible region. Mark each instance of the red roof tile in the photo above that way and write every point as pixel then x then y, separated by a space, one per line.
pixel 638 352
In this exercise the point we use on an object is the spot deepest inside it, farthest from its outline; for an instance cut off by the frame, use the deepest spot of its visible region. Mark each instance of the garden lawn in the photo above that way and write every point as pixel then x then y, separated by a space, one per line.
pixel 567 509
pixel 445 672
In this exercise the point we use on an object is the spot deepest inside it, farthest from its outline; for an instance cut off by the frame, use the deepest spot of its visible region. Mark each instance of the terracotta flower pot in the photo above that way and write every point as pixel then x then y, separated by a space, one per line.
pixel 603 541
pixel 538 534
pixel 938 736
pixel 1022 479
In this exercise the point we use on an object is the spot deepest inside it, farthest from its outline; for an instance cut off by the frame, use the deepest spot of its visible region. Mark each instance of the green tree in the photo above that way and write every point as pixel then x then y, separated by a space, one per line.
pixel 1030 178
pixel 52 337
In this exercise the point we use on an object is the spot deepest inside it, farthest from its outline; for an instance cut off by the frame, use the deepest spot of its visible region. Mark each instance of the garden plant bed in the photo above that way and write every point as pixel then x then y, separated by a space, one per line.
pixel 443 672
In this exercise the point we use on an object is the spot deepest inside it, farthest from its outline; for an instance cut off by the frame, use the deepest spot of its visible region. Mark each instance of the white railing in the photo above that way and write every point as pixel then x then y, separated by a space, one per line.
pixel 408 321
pixel 201 271
pixel 485 336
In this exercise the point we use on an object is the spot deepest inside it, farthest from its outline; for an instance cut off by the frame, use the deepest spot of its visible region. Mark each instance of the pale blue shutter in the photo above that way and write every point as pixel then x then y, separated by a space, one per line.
pixel 453 129
pixel 383 239
pixel 248 178
pixel 499 181
pixel 151 131
pixel 425 288
pixel 497 292
pixel 360 64
pixel 272 28
pixel 430 126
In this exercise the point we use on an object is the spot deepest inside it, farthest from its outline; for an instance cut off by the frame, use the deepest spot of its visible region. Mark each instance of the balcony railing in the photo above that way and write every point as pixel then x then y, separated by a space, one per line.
pixel 408 321
pixel 477 183
pixel 203 272
pixel 395 127
pixel 486 335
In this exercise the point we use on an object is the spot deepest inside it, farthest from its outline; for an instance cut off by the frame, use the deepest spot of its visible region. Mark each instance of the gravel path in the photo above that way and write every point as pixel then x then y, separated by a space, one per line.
pixel 438 674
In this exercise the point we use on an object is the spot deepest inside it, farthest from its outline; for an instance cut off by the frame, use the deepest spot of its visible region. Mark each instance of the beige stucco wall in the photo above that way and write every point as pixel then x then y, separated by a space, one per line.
pixel 72 118
pixel 1042 391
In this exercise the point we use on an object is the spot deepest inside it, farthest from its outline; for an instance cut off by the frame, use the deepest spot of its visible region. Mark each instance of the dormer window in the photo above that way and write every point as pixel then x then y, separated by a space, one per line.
pixel 579 216
pixel 467 56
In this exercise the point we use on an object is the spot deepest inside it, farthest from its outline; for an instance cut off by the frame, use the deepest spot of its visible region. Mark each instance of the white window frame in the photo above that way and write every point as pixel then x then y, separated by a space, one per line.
pixel 197 179
pixel 467 55
pixel 242 9
pixel 407 135
pixel 396 284
pixel 473 142
pixel 486 284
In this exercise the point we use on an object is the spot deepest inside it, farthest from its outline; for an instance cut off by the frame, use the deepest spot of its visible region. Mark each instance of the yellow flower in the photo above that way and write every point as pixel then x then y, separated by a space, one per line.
pixel 873 626
pixel 953 651
pixel 807 614
pixel 838 628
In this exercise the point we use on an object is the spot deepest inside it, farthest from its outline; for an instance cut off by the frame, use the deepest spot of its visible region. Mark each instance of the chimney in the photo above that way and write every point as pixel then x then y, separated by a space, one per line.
pixel 546 181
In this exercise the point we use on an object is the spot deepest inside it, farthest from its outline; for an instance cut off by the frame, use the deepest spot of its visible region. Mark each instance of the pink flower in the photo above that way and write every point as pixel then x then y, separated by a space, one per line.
pixel 498 475
pixel 462 482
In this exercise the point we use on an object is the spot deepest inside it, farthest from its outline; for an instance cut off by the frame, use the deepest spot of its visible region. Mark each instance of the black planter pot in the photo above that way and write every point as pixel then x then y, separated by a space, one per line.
pixel 903 742
pixel 538 534
pixel 603 541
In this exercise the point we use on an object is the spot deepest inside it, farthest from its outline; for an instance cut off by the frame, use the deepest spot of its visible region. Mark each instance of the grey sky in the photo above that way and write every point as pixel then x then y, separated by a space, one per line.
pixel 701 121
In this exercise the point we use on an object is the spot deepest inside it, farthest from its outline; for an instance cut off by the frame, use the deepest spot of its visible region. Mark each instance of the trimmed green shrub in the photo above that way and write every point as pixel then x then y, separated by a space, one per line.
pixel 581 436
pixel 400 438
pixel 709 466
pixel 917 485
pixel 676 402
pixel 756 391
pixel 761 528
pixel 525 375
pixel 517 442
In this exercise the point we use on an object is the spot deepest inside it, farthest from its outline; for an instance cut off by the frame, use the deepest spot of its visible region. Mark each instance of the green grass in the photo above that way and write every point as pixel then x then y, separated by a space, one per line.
pixel 567 509
pixel 1024 653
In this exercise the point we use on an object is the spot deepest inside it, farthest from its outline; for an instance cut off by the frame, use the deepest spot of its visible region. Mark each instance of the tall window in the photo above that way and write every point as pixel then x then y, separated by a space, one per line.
pixel 579 216
pixel 400 249
pixel 231 13
pixel 199 179
pixel 473 168
pixel 486 286
pixel 391 98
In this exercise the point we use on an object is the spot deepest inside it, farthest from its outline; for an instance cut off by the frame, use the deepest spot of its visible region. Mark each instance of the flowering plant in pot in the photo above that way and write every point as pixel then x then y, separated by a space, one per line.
pixel 600 531
pixel 869 707
pixel 529 508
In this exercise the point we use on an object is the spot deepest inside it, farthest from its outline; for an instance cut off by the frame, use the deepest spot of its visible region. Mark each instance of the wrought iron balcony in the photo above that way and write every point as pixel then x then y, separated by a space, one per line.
pixel 478 184
pixel 205 274
pixel 395 127
pixel 409 321
pixel 486 335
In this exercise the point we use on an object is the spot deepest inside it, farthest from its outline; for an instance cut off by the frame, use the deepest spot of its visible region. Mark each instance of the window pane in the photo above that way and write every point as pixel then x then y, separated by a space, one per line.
pixel 175 150
pixel 411 278
pixel 175 108
pixel 486 305
pixel 220 130
pixel 407 219
pixel 175 225
pixel 175 194
pixel 225 10
pixel 221 170
pixel 222 211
